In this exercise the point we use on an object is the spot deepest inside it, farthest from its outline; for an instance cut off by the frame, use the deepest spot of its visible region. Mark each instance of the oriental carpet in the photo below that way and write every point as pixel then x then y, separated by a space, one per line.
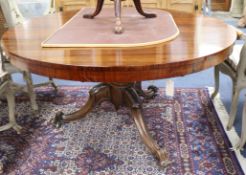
pixel 107 142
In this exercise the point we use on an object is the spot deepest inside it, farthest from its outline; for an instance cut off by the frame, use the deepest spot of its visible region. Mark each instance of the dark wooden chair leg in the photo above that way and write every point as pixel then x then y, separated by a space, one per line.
pixel 139 8
pixel 97 11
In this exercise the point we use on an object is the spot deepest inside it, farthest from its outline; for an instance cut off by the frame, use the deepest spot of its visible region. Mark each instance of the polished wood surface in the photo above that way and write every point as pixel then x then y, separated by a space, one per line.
pixel 203 42
pixel 220 5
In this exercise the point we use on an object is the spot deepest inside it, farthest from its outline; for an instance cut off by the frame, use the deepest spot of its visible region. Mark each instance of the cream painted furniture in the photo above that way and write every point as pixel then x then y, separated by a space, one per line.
pixel 52 8
pixel 235 68
pixel 243 130
pixel 181 5
pixel 11 16
pixel 14 18
pixel 6 89
pixel 237 7
pixel 192 6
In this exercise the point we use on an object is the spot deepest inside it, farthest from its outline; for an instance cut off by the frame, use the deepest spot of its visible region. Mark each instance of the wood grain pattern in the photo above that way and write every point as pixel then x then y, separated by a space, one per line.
pixel 220 5
pixel 203 42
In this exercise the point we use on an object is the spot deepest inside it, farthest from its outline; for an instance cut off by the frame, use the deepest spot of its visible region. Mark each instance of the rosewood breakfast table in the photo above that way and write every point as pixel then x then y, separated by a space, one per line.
pixel 203 42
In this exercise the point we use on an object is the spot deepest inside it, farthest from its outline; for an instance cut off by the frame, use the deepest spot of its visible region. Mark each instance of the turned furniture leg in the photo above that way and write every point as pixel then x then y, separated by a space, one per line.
pixel 118 29
pixel 11 110
pixel 139 8
pixel 11 105
pixel 117 9
pixel 97 11
pixel 97 95
pixel 137 4
pixel 32 95
pixel 242 141
pixel 217 81
pixel 233 109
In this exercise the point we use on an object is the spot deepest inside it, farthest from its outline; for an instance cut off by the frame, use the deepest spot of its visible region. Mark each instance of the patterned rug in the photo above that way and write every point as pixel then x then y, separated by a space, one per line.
pixel 107 142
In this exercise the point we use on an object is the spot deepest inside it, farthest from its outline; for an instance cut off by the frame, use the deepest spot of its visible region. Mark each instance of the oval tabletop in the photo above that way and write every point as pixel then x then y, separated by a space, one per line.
pixel 203 42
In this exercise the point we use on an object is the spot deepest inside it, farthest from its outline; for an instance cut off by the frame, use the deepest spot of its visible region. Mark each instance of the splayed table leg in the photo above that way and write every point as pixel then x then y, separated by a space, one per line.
pixel 120 94
pixel 97 10
pixel 97 95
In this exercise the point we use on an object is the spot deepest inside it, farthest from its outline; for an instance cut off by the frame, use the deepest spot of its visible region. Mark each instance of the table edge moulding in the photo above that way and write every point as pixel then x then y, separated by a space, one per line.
pixel 201 43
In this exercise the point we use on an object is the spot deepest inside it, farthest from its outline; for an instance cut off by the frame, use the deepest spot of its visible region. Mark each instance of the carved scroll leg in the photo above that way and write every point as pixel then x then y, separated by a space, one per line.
pixel 98 94
pixel 139 8
pixel 133 102
pixel 97 11
pixel 148 94
pixel 161 154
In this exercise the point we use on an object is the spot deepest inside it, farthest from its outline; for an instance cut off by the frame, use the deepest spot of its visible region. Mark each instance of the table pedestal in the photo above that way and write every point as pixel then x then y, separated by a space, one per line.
pixel 121 94
pixel 137 4
pixel 118 29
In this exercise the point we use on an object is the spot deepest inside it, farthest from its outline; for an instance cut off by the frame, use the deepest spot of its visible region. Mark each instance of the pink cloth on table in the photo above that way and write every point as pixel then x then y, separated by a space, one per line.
pixel 99 32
